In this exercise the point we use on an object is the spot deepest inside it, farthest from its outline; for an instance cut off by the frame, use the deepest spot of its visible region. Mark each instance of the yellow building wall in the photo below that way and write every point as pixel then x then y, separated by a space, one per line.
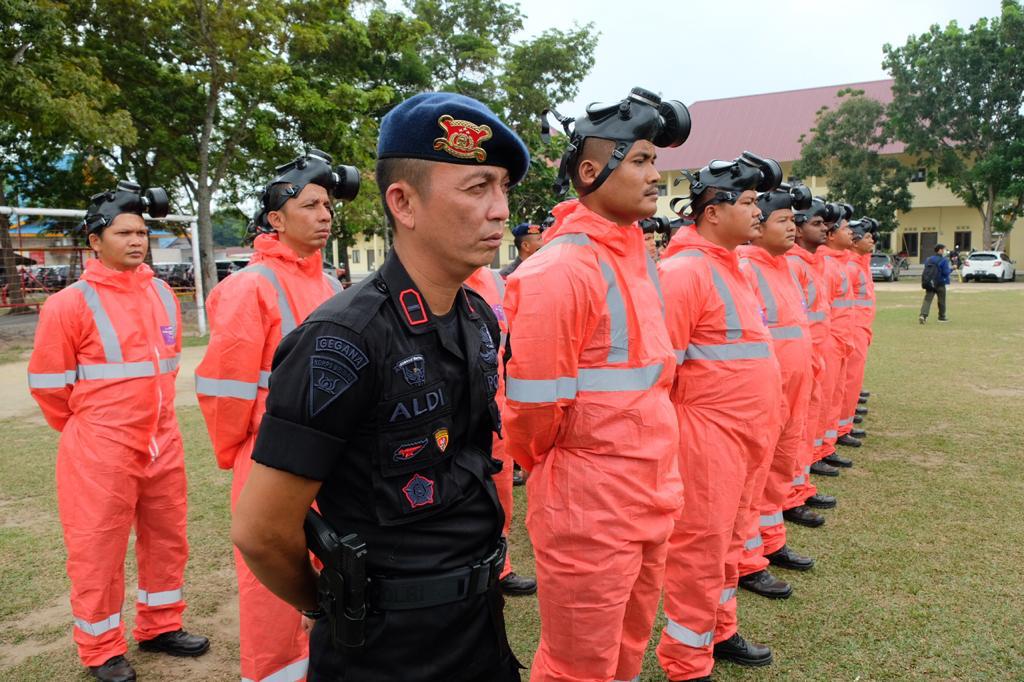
pixel 360 262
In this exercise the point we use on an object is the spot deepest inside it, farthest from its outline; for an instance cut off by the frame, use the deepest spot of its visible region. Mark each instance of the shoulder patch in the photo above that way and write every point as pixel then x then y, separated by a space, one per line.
pixel 344 349
pixel 332 371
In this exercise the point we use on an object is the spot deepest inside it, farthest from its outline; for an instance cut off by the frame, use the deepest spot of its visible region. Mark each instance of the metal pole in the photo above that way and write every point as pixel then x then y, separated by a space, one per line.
pixel 197 276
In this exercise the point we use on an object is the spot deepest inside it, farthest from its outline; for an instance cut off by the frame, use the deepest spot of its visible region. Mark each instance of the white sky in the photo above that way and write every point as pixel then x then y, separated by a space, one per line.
pixel 693 51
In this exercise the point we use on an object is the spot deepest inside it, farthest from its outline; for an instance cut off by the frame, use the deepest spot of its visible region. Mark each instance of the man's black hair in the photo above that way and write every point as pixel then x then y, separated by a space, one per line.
pixel 391 170
pixel 939 247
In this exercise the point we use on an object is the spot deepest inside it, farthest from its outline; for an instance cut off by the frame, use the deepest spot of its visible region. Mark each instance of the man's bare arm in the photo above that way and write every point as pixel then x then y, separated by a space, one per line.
pixel 267 529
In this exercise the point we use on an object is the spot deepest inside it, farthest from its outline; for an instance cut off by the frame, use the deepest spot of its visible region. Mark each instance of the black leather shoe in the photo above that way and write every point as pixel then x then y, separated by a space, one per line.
pixel 862 411
pixel 740 651
pixel 858 433
pixel 177 643
pixel 848 441
pixel 865 394
pixel 862 400
pixel 766 585
pixel 819 501
pixel 943 319
pixel 804 516
pixel 858 419
pixel 517 586
pixel 821 469
pixel 837 460
pixel 784 557
pixel 116 669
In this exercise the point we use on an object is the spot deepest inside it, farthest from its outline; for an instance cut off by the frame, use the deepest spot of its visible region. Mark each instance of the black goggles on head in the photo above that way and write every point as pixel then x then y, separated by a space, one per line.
pixel 341 182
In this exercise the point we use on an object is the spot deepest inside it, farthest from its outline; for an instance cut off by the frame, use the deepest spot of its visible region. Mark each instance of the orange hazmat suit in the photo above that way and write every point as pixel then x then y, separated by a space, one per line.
pixel 491 286
pixel 726 394
pixel 102 370
pixel 858 270
pixel 588 414
pixel 250 312
pixel 841 345
pixel 783 308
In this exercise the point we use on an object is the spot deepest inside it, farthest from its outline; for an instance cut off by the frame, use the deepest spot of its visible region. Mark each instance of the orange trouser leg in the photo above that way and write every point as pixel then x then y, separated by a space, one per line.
pixel 503 482
pixel 802 486
pixel 714 478
pixel 750 558
pixel 838 395
pixel 161 541
pixel 271 641
pixel 599 569
pixel 829 415
pixel 854 378
pixel 96 490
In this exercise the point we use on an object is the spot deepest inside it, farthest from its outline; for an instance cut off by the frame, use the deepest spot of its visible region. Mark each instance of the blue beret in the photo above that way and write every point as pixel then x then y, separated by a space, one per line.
pixel 523 229
pixel 451 128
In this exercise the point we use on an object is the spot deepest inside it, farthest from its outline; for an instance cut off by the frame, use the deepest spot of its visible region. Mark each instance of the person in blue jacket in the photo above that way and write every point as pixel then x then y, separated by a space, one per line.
pixel 935 279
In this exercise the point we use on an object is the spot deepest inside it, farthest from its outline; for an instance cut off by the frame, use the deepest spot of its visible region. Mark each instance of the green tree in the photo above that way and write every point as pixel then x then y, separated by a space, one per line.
pixel 845 146
pixel 229 225
pixel 958 103
pixel 55 98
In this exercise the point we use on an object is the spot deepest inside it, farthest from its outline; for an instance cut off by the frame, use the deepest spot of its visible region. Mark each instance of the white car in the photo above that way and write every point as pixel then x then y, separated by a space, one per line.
pixel 994 265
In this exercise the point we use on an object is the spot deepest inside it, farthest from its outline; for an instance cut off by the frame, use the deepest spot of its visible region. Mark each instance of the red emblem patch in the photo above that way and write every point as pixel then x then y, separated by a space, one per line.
pixel 462 139
pixel 419 491
pixel 441 438
pixel 407 451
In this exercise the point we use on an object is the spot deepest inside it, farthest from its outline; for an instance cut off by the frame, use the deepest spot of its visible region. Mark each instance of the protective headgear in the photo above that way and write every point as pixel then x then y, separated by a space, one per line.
pixel 641 116
pixel 817 209
pixel 863 226
pixel 126 198
pixel 731 178
pixel 660 225
pixel 847 211
pixel 797 198
pixel 314 167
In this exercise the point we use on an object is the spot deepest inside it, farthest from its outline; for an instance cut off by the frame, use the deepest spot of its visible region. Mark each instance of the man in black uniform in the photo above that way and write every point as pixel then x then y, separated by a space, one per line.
pixel 528 241
pixel 381 409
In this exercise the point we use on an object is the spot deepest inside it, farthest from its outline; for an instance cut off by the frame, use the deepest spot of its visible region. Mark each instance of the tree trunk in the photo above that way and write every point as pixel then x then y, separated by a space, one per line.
pixel 204 198
pixel 986 219
pixel 12 279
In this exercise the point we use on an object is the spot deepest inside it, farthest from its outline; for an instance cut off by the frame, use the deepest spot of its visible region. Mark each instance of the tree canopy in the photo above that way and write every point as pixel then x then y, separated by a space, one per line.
pixel 959 105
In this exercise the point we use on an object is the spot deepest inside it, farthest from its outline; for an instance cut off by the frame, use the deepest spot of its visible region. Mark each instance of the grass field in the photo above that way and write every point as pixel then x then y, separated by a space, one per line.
pixel 919 569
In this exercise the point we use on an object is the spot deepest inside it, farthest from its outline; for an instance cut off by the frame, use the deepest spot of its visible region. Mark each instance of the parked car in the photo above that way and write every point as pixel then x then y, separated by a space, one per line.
pixel 883 266
pixel 226 266
pixel 176 274
pixel 993 265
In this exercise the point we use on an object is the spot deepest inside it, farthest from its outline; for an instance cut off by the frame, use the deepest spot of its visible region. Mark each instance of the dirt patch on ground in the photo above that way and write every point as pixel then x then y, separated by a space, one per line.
pixel 999 392
pixel 18 514
pixel 58 611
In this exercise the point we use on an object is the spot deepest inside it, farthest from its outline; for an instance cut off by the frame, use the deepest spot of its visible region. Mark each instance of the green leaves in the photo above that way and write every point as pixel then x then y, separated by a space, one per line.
pixel 959 105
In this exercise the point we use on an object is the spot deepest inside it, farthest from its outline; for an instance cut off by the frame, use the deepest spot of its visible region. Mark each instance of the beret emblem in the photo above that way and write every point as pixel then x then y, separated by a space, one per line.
pixel 462 139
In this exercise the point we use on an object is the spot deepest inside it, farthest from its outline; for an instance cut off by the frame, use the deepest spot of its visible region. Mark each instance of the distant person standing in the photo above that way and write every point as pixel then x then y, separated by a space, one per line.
pixel 528 240
pixel 934 281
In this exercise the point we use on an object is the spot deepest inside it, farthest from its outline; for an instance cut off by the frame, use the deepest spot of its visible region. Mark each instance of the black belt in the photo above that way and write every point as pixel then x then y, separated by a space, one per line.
pixel 399 594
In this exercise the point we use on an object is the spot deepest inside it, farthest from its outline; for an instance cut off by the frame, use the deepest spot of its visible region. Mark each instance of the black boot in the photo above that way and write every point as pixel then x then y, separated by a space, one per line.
pixel 766 585
pixel 821 469
pixel 848 441
pixel 858 433
pixel 517 586
pixel 740 651
pixel 804 516
pixel 116 669
pixel 862 400
pixel 837 460
pixel 865 394
pixel 862 411
pixel 177 643
pixel 858 419
pixel 820 501
pixel 784 557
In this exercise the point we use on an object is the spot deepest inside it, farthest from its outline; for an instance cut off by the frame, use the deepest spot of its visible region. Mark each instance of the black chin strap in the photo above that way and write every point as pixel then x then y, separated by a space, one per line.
pixel 618 155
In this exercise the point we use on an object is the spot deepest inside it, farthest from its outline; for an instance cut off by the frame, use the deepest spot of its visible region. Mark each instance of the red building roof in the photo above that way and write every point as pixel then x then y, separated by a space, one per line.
pixel 769 125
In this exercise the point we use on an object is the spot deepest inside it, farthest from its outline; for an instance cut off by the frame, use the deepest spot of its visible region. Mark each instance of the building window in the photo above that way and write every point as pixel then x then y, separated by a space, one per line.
pixel 511 251
pixel 662 189
pixel 884 242
pixel 962 240
pixel 355 255
pixel 919 175
pixel 910 243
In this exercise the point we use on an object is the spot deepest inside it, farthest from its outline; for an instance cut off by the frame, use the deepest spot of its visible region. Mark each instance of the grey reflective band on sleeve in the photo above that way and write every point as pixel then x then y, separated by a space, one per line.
pixel 723 352
pixel 733 327
pixel 753 543
pixel 52 379
pixel 799 480
pixel 684 635
pixel 264 381
pixel 293 672
pixel 108 335
pixel 99 627
pixel 635 679
pixel 842 303
pixel 599 380
pixel 817 316
pixel 334 283
pixel 287 317
pixel 818 442
pixel 771 309
pixel 786 332
pixel 160 598
pixel 863 303
pixel 767 521
pixel 800 289
pixel 845 281
pixel 727 594
pixel 831 433
pixel 226 388
pixel 499 283
pixel 652 273
pixel 117 370
pixel 163 290
pixel 618 328
pixel 168 365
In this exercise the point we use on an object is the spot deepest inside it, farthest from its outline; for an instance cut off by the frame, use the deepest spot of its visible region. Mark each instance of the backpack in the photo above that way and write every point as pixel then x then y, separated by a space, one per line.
pixel 930 278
